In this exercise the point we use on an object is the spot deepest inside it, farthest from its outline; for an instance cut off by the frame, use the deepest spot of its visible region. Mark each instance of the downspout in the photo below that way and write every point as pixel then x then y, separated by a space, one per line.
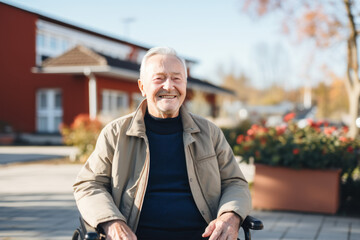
pixel 92 93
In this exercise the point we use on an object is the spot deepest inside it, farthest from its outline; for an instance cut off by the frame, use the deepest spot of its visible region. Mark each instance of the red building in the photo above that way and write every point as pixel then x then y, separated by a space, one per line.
pixel 52 71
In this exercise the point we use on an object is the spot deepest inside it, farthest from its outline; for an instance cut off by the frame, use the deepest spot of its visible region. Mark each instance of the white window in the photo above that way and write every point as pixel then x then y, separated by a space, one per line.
pixel 50 45
pixel 53 43
pixel 114 103
pixel 49 111
pixel 40 40
pixel 64 45
pixel 58 39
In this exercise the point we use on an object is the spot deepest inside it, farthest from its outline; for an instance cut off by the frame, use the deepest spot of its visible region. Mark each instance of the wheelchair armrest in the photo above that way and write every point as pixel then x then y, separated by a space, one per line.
pixel 252 223
pixel 89 233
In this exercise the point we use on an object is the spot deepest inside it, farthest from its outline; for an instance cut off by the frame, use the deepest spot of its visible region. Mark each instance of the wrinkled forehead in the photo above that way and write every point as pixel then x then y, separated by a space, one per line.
pixel 164 64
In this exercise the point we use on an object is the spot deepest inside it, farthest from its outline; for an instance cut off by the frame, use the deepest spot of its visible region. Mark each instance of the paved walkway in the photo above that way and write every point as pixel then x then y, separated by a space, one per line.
pixel 36 202
pixel 12 154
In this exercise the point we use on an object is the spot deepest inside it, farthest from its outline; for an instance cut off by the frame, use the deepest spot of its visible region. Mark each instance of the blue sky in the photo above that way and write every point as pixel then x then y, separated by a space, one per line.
pixel 215 33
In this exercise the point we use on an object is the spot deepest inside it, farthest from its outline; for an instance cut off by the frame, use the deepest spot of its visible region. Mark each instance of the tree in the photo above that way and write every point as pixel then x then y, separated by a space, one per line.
pixel 322 100
pixel 329 97
pixel 239 84
pixel 326 22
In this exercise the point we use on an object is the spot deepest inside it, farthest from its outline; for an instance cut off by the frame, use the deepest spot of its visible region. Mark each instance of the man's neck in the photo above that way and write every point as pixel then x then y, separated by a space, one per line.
pixel 163 125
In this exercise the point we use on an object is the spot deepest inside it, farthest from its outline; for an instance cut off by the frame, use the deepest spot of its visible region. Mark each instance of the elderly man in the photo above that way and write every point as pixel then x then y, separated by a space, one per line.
pixel 162 172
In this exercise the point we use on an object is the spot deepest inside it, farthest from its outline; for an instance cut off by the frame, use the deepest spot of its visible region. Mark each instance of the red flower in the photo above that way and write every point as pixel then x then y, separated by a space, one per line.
pixel 263 141
pixel 296 151
pixel 81 119
pixel 319 123
pixel 289 117
pixel 255 127
pixel 250 132
pixel 350 149
pixel 280 130
pixel 343 139
pixel 312 124
pixel 345 129
pixel 329 130
pixel 248 138
pixel 263 130
pixel 240 139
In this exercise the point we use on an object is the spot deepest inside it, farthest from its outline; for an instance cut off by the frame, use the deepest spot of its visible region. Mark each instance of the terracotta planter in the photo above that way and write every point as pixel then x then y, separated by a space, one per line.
pixel 280 188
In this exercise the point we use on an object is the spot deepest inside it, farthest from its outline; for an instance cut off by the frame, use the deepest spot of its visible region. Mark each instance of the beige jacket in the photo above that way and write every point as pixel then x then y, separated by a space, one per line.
pixel 113 181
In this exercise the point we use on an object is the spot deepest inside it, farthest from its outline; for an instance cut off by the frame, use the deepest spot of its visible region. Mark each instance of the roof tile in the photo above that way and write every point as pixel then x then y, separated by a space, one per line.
pixel 78 56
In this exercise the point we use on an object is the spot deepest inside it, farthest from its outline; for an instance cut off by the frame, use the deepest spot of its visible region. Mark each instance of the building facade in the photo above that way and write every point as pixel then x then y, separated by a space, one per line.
pixel 52 71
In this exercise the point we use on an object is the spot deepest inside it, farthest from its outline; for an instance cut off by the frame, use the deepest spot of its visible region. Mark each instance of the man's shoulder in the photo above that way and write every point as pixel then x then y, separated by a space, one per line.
pixel 119 123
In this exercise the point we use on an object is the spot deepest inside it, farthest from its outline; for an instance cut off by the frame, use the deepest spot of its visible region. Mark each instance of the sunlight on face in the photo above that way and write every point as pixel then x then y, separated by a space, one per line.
pixel 164 85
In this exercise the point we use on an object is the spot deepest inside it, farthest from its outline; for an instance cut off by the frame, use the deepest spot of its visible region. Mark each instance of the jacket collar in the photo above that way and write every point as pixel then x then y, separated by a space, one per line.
pixel 137 125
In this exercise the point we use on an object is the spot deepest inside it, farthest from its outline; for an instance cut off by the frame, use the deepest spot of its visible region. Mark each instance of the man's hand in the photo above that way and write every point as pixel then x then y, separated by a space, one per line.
pixel 117 230
pixel 225 227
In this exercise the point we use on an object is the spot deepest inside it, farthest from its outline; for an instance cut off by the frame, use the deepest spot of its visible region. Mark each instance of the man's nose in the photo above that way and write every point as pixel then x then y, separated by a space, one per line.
pixel 168 84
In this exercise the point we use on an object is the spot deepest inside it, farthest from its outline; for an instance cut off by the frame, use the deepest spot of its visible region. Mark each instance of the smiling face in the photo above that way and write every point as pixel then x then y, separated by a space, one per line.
pixel 164 85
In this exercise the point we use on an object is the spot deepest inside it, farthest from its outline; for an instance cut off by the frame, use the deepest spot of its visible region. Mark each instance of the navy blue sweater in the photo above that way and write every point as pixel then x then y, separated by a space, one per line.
pixel 169 210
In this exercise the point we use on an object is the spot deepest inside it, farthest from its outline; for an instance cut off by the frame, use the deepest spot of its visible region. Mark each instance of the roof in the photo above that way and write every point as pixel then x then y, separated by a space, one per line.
pixel 206 86
pixel 77 56
pixel 82 60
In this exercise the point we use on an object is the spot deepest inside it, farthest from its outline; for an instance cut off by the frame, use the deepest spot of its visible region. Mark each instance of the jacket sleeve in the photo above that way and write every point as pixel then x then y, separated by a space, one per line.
pixel 92 188
pixel 235 193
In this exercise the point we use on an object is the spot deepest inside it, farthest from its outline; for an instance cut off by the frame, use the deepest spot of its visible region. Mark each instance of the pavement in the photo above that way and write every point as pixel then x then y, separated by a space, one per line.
pixel 12 154
pixel 36 202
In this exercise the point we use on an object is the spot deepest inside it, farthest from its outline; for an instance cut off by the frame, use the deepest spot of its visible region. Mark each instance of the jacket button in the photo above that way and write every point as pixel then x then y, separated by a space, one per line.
pixel 202 212
pixel 190 179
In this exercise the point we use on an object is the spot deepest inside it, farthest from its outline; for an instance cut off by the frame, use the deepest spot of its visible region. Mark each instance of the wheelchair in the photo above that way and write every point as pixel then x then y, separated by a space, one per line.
pixel 86 232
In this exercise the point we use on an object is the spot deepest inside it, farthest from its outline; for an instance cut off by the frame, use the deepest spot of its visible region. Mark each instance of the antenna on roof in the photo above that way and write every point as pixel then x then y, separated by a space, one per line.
pixel 127 21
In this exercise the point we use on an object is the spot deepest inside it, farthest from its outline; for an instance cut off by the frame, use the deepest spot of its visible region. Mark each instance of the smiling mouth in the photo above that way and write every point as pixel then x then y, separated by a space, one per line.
pixel 167 96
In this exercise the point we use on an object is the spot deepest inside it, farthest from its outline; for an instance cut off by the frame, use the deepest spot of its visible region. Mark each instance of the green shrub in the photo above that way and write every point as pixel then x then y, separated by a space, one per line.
pixel 82 133
pixel 231 134
pixel 316 146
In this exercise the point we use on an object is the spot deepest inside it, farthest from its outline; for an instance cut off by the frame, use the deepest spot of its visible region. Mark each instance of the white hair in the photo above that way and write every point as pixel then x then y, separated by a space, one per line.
pixel 160 51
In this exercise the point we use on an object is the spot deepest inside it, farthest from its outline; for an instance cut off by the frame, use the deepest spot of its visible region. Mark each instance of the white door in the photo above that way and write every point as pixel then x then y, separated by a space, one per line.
pixel 49 112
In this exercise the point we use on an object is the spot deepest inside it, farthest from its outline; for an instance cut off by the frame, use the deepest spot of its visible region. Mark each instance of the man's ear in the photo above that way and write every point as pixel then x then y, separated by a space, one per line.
pixel 141 87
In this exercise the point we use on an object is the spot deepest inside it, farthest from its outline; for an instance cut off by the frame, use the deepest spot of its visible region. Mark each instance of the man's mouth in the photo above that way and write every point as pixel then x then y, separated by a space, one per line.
pixel 167 96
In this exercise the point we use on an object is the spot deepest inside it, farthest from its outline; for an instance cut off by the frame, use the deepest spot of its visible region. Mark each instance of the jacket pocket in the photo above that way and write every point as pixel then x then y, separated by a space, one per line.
pixel 207 169
pixel 205 158
pixel 127 201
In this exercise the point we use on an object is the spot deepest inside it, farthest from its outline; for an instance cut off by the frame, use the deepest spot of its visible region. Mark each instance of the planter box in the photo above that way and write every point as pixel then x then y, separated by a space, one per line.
pixel 280 188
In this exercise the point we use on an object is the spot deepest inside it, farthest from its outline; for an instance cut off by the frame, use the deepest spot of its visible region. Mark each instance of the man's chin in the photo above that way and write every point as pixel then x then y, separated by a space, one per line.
pixel 169 112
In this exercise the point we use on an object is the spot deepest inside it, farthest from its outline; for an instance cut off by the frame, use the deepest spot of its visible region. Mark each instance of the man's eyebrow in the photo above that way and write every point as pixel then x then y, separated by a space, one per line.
pixel 164 74
pixel 159 73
